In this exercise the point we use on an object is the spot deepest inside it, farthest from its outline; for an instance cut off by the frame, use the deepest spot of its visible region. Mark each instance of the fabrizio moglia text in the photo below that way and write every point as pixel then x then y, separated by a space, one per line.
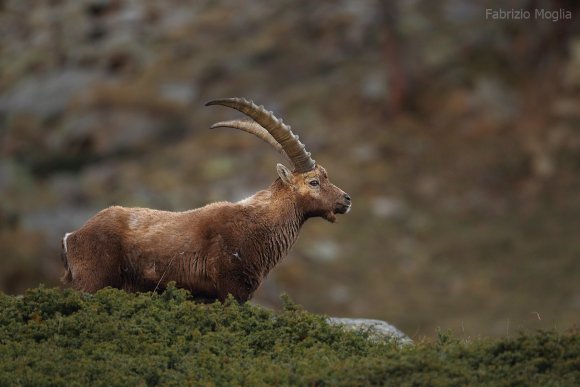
pixel 525 14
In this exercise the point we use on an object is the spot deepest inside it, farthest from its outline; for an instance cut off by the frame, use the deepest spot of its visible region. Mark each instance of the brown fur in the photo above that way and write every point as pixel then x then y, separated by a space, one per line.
pixel 212 251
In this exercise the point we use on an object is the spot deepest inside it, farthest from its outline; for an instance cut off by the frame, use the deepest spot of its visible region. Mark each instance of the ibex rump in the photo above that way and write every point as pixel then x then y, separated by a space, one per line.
pixel 214 250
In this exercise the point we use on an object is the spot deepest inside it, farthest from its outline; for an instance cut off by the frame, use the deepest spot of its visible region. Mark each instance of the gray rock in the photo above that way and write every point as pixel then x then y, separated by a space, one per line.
pixel 54 222
pixel 378 329
pixel 47 94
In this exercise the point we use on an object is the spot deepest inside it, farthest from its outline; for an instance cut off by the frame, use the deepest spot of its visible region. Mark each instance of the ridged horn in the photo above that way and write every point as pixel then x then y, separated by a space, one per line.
pixel 255 129
pixel 280 132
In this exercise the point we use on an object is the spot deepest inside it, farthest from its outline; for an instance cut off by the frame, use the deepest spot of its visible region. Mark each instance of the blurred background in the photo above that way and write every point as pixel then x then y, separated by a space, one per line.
pixel 457 137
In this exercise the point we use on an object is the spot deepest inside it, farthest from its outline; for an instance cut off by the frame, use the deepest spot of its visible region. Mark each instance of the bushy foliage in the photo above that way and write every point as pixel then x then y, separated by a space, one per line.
pixel 55 337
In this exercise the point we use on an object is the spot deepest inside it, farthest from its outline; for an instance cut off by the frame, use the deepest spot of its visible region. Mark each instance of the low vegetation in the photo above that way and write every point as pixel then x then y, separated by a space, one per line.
pixel 56 337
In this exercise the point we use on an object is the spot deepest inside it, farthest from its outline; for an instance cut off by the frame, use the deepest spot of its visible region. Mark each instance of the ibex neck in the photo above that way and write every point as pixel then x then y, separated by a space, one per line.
pixel 282 222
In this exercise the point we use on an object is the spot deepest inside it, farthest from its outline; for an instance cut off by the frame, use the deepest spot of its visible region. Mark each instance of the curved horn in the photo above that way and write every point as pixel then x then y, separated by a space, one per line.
pixel 280 132
pixel 255 129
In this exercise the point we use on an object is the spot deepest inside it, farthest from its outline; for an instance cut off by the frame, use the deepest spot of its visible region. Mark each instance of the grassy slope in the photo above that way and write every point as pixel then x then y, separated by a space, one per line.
pixel 54 337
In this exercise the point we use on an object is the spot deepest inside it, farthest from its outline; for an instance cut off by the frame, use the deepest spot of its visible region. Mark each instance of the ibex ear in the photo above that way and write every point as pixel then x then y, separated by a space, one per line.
pixel 285 174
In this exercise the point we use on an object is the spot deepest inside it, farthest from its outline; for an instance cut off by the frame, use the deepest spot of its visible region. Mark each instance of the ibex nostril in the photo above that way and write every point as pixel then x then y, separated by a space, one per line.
pixel 347 198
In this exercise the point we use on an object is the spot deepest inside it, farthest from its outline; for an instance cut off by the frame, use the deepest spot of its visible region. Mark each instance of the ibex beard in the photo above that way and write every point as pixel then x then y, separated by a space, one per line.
pixel 220 249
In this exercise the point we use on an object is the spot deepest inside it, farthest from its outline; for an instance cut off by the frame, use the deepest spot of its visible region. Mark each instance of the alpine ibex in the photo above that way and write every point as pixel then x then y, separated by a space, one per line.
pixel 213 250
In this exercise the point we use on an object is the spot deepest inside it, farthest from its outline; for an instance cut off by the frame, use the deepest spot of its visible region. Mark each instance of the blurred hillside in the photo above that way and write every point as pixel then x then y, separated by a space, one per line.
pixel 457 137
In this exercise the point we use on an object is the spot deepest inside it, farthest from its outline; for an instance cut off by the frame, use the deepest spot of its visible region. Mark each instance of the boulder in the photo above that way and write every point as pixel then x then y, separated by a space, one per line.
pixel 377 329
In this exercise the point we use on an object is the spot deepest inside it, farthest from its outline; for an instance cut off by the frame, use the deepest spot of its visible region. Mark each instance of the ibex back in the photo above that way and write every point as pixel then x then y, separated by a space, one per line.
pixel 220 249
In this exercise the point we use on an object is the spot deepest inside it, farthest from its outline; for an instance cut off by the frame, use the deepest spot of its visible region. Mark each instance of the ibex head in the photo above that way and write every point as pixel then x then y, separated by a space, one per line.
pixel 309 182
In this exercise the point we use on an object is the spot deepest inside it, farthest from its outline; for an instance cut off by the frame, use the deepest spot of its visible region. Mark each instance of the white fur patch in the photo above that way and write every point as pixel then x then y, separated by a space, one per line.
pixel 64 241
pixel 133 221
pixel 245 201
pixel 262 195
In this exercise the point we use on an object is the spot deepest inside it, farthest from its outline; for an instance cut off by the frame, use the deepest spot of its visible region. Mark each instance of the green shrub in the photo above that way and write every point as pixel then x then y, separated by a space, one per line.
pixel 62 337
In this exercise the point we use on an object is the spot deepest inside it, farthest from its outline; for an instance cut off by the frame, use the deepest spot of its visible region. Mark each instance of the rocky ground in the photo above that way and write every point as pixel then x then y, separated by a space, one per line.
pixel 458 139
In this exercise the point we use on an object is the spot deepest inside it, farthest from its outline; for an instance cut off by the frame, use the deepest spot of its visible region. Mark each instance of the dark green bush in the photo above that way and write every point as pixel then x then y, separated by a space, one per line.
pixel 54 337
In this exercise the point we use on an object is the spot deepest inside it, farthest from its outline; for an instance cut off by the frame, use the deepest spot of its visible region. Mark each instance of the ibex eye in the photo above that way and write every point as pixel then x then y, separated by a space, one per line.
pixel 314 183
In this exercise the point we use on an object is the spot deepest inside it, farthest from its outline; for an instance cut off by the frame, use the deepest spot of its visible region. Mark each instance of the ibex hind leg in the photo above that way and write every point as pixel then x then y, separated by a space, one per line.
pixel 93 266
pixel 67 276
pixel 88 284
